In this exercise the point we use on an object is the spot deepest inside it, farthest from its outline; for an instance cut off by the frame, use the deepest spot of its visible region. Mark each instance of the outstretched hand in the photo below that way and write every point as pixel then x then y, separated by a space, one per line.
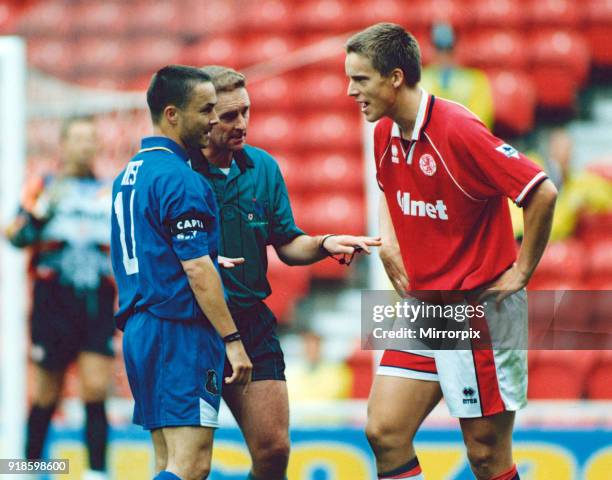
pixel 347 244
pixel 226 262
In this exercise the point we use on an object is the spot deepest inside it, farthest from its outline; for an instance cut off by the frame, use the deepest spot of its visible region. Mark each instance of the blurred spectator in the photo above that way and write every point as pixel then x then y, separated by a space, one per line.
pixel 579 192
pixel 315 378
pixel 445 78
pixel 64 219
pixel 558 161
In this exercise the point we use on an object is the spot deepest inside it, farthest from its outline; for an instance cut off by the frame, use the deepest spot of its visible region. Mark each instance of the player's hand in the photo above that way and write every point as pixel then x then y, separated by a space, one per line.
pixel 241 364
pixel 226 262
pixel 345 244
pixel 509 282
pixel 394 266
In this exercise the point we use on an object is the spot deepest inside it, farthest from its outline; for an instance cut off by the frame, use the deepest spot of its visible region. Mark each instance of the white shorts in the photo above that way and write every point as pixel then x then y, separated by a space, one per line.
pixel 478 382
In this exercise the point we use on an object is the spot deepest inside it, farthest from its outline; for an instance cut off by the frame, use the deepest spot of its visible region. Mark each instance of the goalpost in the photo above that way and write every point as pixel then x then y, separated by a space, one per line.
pixel 12 271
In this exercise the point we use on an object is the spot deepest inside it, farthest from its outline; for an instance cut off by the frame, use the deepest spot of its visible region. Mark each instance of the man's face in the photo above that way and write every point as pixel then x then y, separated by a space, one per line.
pixel 197 118
pixel 80 144
pixel 374 93
pixel 233 109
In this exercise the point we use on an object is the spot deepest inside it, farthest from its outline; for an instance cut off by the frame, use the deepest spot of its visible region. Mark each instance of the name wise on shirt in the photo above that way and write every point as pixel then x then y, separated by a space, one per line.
pixel 420 208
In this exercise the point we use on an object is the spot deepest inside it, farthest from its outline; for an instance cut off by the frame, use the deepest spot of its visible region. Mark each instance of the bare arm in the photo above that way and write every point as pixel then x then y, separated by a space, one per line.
pixel 304 250
pixel 537 217
pixel 207 288
pixel 390 254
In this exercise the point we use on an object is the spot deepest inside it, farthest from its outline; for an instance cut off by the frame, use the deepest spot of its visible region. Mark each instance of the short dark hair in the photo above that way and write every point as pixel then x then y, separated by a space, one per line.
pixel 172 85
pixel 389 46
pixel 70 121
pixel 225 79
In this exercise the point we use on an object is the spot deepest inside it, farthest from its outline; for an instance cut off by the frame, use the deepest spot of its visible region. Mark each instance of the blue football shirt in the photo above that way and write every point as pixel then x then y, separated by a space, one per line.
pixel 163 213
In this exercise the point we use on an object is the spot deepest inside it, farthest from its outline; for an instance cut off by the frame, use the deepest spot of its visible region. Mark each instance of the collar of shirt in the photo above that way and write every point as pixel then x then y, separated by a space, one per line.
pixel 166 143
pixel 201 164
pixel 422 118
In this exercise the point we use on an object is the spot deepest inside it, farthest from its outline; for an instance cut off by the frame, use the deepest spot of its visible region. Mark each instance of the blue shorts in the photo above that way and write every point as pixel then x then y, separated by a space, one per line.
pixel 174 370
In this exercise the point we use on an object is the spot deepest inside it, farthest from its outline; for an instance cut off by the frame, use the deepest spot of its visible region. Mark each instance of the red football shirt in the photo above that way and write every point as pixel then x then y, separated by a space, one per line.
pixel 446 191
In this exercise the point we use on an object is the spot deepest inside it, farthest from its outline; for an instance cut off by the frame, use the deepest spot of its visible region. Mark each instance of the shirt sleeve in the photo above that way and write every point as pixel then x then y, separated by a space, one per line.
pixel 186 215
pixel 503 168
pixel 283 228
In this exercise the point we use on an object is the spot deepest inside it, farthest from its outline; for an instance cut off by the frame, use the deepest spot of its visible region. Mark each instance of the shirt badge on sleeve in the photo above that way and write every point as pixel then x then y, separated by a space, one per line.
pixel 508 150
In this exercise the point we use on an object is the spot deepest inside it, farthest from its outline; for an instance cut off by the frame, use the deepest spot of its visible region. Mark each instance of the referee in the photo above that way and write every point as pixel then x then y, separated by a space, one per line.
pixel 255 212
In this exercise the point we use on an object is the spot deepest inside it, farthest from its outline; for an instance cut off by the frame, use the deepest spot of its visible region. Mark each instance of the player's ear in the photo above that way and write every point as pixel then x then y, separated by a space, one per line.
pixel 171 114
pixel 397 77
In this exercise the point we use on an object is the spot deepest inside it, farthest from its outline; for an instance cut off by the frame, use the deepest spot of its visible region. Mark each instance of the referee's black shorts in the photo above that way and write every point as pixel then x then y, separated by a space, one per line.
pixel 257 327
pixel 66 322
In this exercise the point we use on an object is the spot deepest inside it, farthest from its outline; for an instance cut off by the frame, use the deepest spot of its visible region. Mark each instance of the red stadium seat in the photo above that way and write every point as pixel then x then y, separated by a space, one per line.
pixel 333 212
pixel 276 93
pixel 561 260
pixel 259 48
pixel 599 386
pixel 273 130
pixel 553 13
pixel 198 18
pixel 329 269
pixel 321 50
pixel 514 100
pixel 599 258
pixel 558 374
pixel 46 18
pixel 593 227
pixel 214 50
pixel 292 167
pixel 100 18
pixel 322 15
pixel 330 130
pixel 364 13
pixel 501 49
pixel 559 66
pixel 361 363
pixel 561 48
pixel 94 54
pixel 151 18
pixel 598 29
pixel 334 171
pixel 319 88
pixel 269 15
pixel 288 284
pixel 421 14
pixel 51 56
pixel 149 54
pixel 495 14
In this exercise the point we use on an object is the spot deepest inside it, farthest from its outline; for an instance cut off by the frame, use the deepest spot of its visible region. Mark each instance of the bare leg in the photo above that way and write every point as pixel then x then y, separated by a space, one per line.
pixel 189 451
pixel 263 416
pixel 161 450
pixel 489 444
pixel 396 408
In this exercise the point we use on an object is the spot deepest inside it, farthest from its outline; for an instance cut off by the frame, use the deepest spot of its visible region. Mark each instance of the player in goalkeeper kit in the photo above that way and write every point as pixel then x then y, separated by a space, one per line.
pixel 64 221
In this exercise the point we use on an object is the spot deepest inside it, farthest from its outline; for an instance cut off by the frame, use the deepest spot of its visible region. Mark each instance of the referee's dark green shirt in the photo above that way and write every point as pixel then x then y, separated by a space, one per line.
pixel 254 211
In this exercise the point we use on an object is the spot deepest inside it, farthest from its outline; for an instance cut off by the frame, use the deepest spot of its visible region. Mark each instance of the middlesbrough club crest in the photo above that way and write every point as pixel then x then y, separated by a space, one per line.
pixel 427 164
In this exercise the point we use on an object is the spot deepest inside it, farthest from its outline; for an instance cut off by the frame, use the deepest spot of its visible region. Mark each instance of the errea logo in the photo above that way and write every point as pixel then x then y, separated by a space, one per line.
pixel 508 150
pixel 420 208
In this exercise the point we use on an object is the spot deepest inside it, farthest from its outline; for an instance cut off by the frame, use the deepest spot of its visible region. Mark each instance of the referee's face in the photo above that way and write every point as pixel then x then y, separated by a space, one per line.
pixel 373 92
pixel 198 117
pixel 233 109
